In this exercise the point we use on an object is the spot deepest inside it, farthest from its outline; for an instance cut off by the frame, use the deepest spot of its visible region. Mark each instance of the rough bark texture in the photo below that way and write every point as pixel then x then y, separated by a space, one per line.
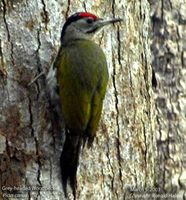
pixel 169 63
pixel 123 156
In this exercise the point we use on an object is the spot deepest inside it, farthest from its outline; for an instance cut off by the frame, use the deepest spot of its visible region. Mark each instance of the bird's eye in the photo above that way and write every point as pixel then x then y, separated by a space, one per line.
pixel 90 21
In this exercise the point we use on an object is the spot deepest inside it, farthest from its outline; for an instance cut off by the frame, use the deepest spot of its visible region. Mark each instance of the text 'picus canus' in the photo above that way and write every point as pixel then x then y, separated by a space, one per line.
pixel 82 75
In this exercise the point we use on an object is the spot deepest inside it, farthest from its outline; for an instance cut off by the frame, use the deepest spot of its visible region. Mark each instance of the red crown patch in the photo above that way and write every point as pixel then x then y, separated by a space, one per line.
pixel 87 14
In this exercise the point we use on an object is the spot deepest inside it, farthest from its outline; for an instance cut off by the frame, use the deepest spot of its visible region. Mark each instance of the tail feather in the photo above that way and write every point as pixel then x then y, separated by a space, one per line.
pixel 70 161
pixel 88 139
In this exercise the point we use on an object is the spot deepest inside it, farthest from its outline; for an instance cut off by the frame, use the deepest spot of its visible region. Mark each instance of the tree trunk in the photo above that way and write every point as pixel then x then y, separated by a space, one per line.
pixel 122 159
pixel 169 64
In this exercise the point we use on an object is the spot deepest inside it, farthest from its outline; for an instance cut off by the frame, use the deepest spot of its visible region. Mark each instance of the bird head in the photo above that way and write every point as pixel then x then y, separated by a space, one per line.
pixel 83 25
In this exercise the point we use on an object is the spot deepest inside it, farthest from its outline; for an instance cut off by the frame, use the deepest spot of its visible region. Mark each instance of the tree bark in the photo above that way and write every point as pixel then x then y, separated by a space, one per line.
pixel 169 63
pixel 122 160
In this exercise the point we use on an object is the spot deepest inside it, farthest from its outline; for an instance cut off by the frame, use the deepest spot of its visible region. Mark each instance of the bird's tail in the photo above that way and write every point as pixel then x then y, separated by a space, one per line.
pixel 70 160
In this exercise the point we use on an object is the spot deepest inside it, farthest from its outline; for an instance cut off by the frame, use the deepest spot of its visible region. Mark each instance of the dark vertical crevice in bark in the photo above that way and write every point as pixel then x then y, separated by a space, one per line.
pixel 145 151
pixel 37 52
pixel 117 121
pixel 31 116
pixel 8 31
pixel 5 20
pixel 117 101
pixel 12 53
pixel 68 9
pixel 36 141
pixel 113 8
pixel 45 14
pixel 162 12
pixel 119 46
pixel 84 6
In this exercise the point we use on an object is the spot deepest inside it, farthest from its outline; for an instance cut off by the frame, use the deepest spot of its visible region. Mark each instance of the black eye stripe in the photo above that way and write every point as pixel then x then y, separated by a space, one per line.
pixel 93 30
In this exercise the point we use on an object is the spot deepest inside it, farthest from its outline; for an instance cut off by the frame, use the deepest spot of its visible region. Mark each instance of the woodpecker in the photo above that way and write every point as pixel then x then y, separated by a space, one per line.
pixel 81 75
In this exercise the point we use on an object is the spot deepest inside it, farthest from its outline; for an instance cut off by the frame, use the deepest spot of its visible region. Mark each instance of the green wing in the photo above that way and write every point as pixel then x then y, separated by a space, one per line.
pixel 82 78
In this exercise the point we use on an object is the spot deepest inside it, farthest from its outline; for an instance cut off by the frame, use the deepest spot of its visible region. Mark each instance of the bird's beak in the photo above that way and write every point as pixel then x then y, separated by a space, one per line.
pixel 101 22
